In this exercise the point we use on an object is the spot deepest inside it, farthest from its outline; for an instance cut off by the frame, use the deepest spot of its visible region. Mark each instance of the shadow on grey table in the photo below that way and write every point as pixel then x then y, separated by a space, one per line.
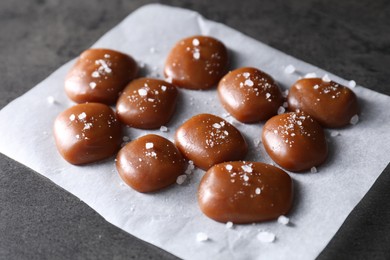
pixel 39 220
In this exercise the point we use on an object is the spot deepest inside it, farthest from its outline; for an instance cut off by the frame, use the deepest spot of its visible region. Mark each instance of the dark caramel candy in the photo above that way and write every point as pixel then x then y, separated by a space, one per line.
pixel 196 62
pixel 87 133
pixel 249 95
pixel 245 192
pixel 207 140
pixel 295 141
pixel 99 75
pixel 330 103
pixel 147 103
pixel 150 163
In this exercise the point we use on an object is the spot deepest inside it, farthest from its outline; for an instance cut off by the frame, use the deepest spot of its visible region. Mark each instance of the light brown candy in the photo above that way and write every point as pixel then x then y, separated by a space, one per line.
pixel 87 133
pixel 150 163
pixel 197 62
pixel 99 75
pixel 245 192
pixel 207 140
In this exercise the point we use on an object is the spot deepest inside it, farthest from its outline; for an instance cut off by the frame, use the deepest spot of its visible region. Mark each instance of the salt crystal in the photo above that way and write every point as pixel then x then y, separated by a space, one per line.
pixel 181 179
pixel 142 92
pixel 77 136
pixel 354 120
pixel 92 85
pixel 248 83
pixel 107 56
pixel 334 133
pixel 310 75
pixel 191 162
pixel 95 74
pixel 229 224
pixel 163 129
pixel 246 178
pixel 289 69
pixel 196 55
pixel 149 145
pixel 283 220
pixel 246 74
pixel 229 167
pixel 201 237
pixel 169 79
pixel 126 139
pixel 247 168
pixel 195 42
pixel 51 100
pixel 82 116
pixel 285 93
pixel 326 78
pixel 267 95
pixel 313 169
pixel 216 125
pixel 72 117
pixel 256 142
pixel 163 88
pixel 316 86
pixel 151 99
pixel 281 110
pixel 258 191
pixel 266 237
pixel 352 83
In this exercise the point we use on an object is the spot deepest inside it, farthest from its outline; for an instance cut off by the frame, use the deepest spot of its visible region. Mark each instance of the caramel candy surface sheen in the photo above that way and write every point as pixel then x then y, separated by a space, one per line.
pixel 330 103
pixel 99 75
pixel 150 163
pixel 295 141
pixel 207 140
pixel 87 133
pixel 196 62
pixel 249 95
pixel 245 192
pixel 147 103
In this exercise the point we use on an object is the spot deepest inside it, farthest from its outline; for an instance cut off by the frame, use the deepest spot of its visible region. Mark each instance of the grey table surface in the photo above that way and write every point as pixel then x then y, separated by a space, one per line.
pixel 39 220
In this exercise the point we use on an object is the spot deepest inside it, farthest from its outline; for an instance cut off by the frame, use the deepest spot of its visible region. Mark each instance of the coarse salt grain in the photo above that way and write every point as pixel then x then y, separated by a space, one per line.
pixel 354 120
pixel 267 95
pixel 313 169
pixel 181 179
pixel 149 145
pixel 266 237
pixel 82 116
pixel 316 86
pixel 201 237
pixel 163 128
pixel 352 83
pixel 51 100
pixel 248 83
pixel 246 74
pixel 95 74
pixel 310 75
pixel 216 125
pixel 281 110
pixel 72 117
pixel 247 168
pixel 229 167
pixel 126 139
pixel 142 92
pixel 289 69
pixel 258 191
pixel 326 78
pixel 229 224
pixel 283 220
pixel 92 85
pixel 196 55
pixel 195 42
pixel 246 178
pixel 163 88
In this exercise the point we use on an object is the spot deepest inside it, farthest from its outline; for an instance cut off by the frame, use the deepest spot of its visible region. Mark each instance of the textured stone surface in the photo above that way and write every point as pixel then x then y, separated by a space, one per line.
pixel 39 220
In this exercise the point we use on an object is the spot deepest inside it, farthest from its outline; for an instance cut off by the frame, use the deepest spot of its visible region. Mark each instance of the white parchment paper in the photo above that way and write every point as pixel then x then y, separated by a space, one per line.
pixel 170 219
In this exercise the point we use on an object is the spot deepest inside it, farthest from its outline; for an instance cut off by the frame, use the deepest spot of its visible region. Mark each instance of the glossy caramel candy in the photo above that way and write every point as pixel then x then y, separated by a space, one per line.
pixel 207 140
pixel 87 133
pixel 197 62
pixel 99 75
pixel 245 192
pixel 295 141
pixel 250 95
pixel 147 103
pixel 150 163
pixel 331 104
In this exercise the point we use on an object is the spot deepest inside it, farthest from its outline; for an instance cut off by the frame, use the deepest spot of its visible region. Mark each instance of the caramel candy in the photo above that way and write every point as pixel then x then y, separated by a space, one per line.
pixel 197 62
pixel 245 192
pixel 87 133
pixel 147 103
pixel 207 140
pixel 150 163
pixel 330 103
pixel 99 75
pixel 295 141
pixel 250 95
